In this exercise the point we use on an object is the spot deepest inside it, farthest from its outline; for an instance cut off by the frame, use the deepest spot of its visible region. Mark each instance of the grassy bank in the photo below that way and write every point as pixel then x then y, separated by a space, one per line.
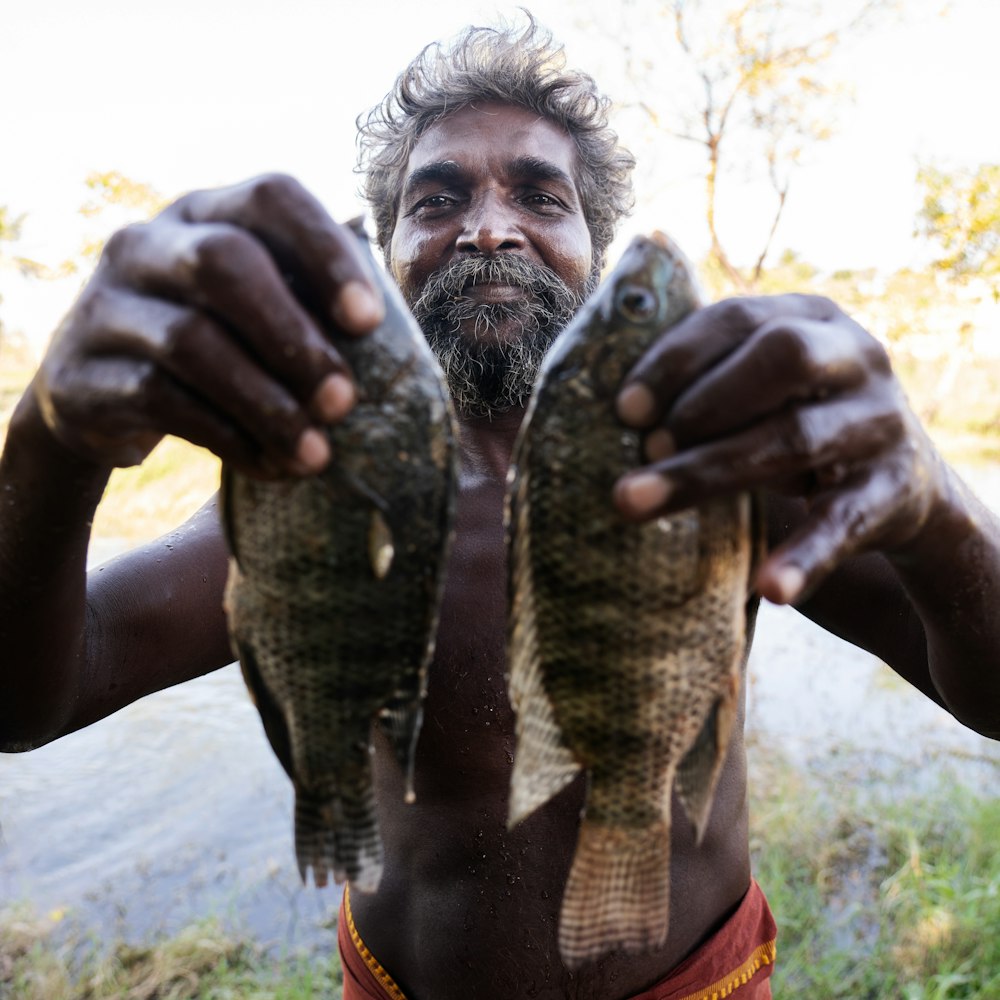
pixel 875 899
pixel 39 961
pixel 878 896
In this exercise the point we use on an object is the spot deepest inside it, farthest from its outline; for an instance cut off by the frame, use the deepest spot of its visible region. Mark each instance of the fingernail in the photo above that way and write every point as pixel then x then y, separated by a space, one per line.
pixel 357 307
pixel 334 398
pixel 643 492
pixel 636 405
pixel 790 581
pixel 659 444
pixel 312 453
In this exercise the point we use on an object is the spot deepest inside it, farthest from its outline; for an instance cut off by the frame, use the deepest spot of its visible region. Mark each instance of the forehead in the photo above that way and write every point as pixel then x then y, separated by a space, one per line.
pixel 489 135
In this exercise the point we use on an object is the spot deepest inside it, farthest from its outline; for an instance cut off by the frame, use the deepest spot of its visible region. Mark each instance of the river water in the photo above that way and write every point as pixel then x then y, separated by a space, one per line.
pixel 175 808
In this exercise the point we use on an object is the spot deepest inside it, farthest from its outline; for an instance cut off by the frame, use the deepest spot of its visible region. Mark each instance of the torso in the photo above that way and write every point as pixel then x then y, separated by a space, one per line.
pixel 467 908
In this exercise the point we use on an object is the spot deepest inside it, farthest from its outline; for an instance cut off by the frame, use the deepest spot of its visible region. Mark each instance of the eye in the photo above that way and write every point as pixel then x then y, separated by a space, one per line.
pixel 434 201
pixel 432 205
pixel 539 201
pixel 636 303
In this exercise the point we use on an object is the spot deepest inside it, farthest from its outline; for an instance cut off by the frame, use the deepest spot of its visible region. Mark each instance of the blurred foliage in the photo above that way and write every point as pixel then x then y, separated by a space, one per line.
pixel 116 201
pixel 961 215
pixel 10 233
pixel 751 82
pixel 10 227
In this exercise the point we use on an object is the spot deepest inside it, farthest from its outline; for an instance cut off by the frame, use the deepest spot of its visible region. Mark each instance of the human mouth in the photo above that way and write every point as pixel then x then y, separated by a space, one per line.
pixel 494 292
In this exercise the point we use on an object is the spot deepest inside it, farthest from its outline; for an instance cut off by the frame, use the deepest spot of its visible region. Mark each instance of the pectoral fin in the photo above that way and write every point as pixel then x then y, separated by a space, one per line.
pixel 699 769
pixel 400 719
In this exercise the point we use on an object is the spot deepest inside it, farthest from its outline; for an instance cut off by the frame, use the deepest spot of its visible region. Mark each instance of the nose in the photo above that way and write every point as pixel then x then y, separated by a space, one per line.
pixel 490 226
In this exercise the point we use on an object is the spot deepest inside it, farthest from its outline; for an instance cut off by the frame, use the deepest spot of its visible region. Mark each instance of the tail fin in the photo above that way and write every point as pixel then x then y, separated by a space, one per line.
pixel 618 893
pixel 338 834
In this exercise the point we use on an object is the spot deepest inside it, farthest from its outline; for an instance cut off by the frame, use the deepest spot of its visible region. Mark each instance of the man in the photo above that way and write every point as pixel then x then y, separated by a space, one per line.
pixel 495 186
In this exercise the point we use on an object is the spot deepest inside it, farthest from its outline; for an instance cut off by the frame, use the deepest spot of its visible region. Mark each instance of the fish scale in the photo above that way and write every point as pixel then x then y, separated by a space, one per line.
pixel 334 591
pixel 626 640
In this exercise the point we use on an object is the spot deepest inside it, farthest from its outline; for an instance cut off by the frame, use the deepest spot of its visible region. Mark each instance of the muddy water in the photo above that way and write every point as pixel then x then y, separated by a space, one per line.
pixel 175 807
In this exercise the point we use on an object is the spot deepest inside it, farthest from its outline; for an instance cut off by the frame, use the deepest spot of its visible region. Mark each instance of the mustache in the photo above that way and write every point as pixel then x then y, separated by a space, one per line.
pixel 487 377
pixel 444 289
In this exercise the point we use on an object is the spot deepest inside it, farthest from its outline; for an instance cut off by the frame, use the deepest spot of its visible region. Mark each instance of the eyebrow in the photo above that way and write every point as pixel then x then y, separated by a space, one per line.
pixel 539 169
pixel 439 172
pixel 449 172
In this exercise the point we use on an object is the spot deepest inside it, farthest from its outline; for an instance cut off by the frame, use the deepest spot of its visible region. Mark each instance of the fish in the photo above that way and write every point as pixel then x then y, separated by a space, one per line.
pixel 334 590
pixel 626 641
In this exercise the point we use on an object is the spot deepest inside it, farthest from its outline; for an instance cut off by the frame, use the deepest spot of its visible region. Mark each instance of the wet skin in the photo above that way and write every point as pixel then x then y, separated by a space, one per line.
pixel 493 179
pixel 190 327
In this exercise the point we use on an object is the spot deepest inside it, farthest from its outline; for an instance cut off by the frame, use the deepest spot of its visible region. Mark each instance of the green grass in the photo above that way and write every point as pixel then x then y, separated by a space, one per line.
pixel 202 962
pixel 879 897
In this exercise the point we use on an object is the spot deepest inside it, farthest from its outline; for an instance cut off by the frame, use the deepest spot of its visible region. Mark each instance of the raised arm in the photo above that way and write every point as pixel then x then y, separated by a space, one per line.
pixel 211 323
pixel 871 533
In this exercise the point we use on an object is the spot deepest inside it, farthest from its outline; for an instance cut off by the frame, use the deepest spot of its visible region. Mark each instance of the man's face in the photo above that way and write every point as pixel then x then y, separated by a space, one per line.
pixel 491 248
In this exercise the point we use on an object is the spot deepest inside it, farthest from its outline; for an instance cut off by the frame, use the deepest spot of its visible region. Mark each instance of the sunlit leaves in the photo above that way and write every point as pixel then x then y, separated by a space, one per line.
pixel 961 215
pixel 116 200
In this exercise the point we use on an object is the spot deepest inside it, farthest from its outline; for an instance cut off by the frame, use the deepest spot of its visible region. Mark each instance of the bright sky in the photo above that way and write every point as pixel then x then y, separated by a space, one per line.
pixel 194 93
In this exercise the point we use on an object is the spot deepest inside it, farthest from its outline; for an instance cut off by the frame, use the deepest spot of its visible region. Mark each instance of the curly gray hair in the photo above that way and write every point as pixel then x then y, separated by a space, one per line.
pixel 522 68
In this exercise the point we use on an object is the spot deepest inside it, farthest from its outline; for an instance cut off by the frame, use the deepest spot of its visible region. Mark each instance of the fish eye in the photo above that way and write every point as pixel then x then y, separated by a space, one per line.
pixel 636 303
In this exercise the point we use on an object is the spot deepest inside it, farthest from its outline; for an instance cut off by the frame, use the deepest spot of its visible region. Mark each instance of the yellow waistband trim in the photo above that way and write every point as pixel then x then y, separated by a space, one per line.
pixel 761 956
pixel 764 955
pixel 385 980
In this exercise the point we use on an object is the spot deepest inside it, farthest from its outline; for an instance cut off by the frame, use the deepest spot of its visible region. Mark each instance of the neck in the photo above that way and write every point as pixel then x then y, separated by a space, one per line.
pixel 487 442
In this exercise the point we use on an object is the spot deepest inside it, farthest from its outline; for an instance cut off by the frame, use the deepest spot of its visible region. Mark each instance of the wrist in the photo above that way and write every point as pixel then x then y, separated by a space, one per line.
pixel 952 516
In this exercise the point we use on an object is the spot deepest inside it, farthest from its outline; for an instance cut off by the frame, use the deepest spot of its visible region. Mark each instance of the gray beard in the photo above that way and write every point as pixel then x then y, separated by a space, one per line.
pixel 490 377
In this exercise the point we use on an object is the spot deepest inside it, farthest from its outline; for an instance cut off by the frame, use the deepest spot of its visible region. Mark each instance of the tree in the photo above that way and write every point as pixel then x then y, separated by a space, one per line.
pixel 116 201
pixel 10 233
pixel 961 214
pixel 751 82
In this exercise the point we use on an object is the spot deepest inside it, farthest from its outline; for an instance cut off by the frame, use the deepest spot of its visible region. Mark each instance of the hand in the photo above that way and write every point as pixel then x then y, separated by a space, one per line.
pixel 210 322
pixel 785 394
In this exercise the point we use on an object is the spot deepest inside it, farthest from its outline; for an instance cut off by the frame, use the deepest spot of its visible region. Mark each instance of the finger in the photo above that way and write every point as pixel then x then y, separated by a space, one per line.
pixel 783 362
pixel 699 341
pixel 337 278
pixel 167 402
pixel 204 358
pixel 839 525
pixel 834 435
pixel 227 273
pixel 93 421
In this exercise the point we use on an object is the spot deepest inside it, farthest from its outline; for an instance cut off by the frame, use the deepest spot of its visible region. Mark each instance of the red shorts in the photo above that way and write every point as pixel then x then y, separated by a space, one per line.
pixel 736 961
